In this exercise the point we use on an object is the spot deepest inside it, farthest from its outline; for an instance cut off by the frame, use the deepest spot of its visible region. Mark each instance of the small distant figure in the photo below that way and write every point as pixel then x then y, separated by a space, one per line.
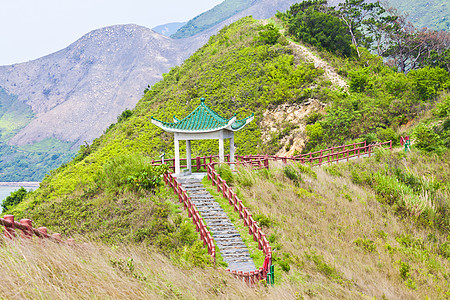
pixel 405 141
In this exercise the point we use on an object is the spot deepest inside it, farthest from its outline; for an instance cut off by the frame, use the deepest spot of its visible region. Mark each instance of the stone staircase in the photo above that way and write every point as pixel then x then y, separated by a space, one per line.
pixel 228 240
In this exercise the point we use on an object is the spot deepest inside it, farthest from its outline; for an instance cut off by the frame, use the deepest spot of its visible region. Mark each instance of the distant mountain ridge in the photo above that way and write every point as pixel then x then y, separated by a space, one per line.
pixel 169 28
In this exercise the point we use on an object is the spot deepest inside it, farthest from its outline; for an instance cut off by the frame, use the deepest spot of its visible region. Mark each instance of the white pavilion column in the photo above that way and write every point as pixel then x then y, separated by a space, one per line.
pixel 177 155
pixel 188 156
pixel 232 151
pixel 221 147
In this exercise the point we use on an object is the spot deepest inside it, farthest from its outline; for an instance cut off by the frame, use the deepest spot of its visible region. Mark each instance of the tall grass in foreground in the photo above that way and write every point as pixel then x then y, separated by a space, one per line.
pixel 32 270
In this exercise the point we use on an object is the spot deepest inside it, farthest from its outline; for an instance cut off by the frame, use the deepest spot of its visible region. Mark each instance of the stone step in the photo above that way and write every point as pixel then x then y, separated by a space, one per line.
pixel 227 238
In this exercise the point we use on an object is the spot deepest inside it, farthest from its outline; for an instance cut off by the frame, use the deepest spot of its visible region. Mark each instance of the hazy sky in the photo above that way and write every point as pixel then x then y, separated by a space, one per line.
pixel 30 29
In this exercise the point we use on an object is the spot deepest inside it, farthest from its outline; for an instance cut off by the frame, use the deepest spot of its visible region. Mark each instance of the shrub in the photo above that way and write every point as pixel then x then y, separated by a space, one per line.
pixel 131 170
pixel 269 34
pixel 292 174
pixel 442 109
pixel 320 29
pixel 306 170
pixel 365 244
pixel 428 82
pixel 426 138
pixel 225 173
pixel 388 134
pixel 14 198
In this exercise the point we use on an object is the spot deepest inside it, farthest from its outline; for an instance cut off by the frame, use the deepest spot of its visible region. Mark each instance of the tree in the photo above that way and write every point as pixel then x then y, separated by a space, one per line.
pixel 316 26
pixel 14 198
pixel 358 15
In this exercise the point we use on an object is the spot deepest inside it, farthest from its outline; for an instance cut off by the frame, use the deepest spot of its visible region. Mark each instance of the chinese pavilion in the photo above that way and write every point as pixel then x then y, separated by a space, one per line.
pixel 202 124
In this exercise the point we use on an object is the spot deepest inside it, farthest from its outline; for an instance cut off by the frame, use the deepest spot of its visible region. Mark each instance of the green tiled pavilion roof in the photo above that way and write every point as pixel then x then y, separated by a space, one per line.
pixel 203 119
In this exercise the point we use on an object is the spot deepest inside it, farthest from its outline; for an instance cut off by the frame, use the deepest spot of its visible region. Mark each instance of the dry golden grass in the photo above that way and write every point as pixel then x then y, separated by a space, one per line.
pixel 33 270
pixel 319 221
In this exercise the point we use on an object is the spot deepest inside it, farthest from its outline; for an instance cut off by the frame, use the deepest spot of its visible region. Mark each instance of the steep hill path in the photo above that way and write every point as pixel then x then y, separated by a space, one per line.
pixel 330 73
pixel 227 238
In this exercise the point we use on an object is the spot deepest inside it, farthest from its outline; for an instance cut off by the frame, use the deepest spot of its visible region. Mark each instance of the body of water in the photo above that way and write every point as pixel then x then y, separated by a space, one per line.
pixel 6 189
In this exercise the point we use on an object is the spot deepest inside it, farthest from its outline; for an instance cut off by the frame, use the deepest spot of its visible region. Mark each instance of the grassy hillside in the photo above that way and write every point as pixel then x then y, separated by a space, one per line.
pixel 332 238
pixel 212 17
pixel 377 228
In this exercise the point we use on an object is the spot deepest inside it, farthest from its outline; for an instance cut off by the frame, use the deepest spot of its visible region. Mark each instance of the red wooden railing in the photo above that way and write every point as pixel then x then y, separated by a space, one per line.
pixel 251 277
pixel 330 155
pixel 27 230
pixel 193 213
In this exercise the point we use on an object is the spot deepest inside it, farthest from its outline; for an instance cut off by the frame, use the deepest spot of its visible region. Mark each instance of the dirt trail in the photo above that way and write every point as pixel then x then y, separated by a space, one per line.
pixel 303 52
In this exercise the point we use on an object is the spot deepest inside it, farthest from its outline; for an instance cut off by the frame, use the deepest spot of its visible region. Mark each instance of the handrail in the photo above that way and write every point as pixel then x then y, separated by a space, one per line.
pixel 344 152
pixel 317 158
pixel 193 213
pixel 27 230
pixel 263 244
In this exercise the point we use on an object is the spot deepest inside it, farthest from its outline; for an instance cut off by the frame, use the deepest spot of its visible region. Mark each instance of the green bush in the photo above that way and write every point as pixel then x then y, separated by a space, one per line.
pixel 14 198
pixel 442 109
pixel 292 174
pixel 269 35
pixel 428 82
pixel 225 173
pixel 388 134
pixel 133 171
pixel 365 244
pixel 426 138
pixel 319 29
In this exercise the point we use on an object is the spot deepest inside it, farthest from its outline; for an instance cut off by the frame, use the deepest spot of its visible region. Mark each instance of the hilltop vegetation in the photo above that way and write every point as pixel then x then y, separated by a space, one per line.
pixel 376 228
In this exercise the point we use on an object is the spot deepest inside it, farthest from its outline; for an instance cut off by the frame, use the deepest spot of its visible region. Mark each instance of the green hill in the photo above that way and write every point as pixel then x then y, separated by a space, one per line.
pixel 212 17
pixel 373 228
pixel 432 14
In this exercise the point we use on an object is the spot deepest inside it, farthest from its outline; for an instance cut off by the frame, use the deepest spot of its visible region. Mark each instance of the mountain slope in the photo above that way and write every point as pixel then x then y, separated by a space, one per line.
pixel 432 14
pixel 169 28
pixel 76 92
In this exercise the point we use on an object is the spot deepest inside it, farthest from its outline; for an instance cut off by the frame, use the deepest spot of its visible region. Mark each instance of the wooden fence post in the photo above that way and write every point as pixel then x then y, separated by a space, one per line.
pixel 27 233
pixel 198 163
pixel 10 232
pixel 42 230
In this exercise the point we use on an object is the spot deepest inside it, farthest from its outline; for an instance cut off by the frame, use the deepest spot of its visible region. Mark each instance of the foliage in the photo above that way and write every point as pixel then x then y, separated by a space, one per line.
pixel 269 35
pixel 428 82
pixel 311 23
pixel 225 173
pixel 124 115
pixel 13 199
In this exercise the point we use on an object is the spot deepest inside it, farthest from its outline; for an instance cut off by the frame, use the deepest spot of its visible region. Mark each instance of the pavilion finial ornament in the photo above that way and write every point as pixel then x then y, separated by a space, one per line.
pixel 202 124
